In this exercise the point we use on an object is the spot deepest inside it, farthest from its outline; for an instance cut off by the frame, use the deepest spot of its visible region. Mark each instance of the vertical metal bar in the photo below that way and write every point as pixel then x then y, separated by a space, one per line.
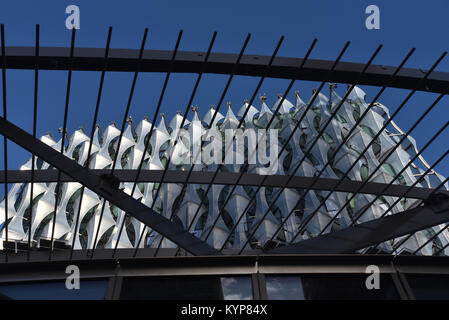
pixel 125 117
pixel 94 124
pixel 64 129
pixel 33 158
pixel 192 96
pixel 309 106
pixel 239 125
pixel 164 87
pixel 181 125
pixel 273 117
pixel 365 150
pixel 156 112
pixel 228 83
pixel 321 131
pixel 5 141
pixel 128 105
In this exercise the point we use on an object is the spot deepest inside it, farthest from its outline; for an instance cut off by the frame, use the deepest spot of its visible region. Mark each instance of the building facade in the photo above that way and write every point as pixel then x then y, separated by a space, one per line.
pixel 244 216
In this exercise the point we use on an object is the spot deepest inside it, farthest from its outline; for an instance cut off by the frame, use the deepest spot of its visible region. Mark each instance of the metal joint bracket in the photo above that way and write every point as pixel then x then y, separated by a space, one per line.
pixel 110 180
pixel 438 202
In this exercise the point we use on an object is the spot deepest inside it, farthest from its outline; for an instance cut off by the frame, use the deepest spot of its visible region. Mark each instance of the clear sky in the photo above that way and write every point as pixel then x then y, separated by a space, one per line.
pixel 403 25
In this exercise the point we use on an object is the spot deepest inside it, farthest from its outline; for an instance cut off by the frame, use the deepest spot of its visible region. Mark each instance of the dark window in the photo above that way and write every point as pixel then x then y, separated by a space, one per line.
pixel 186 288
pixel 54 290
pixel 429 286
pixel 328 287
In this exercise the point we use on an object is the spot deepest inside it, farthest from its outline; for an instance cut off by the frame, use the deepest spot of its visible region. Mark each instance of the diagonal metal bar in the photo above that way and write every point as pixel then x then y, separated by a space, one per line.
pixel 112 194
pixel 64 131
pixel 372 232
pixel 437 189
pixel 445 228
pixel 384 159
pixel 429 170
pixel 409 163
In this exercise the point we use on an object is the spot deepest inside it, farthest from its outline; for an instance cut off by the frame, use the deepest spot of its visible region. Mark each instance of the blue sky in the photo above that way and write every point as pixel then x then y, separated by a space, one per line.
pixel 404 24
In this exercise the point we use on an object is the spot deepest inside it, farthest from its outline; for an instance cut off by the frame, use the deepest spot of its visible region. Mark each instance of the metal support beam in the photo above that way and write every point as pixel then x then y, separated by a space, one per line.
pixel 99 185
pixel 229 178
pixel 366 234
pixel 92 59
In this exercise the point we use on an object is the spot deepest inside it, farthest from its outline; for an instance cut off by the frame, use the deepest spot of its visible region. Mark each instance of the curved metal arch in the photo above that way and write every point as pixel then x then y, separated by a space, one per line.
pixel 92 59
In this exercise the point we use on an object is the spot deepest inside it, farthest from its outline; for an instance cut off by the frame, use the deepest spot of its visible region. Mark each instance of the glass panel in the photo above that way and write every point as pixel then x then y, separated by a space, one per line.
pixel 236 288
pixel 284 288
pixel 429 286
pixel 54 290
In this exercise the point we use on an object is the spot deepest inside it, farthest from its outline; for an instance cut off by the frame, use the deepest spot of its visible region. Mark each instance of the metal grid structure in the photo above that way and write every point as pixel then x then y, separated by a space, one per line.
pixel 431 210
